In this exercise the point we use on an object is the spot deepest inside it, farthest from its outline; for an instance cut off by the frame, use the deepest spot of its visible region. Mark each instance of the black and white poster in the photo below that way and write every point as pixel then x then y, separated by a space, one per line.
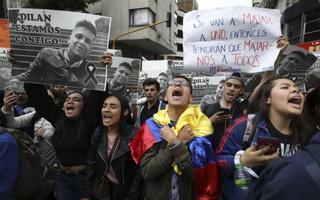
pixel 59 47
pixel 312 77
pixel 123 77
pixel 294 62
pixel 207 89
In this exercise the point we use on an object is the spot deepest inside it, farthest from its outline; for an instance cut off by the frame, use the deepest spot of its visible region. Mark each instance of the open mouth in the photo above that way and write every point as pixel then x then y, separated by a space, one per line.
pixel 107 116
pixel 296 100
pixel 177 93
pixel 70 108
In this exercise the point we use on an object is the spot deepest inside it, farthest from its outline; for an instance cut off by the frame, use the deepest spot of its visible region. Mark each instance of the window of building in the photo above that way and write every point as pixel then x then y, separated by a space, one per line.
pixel 294 30
pixel 180 34
pixel 141 17
pixel 179 47
pixel 180 20
pixel 312 26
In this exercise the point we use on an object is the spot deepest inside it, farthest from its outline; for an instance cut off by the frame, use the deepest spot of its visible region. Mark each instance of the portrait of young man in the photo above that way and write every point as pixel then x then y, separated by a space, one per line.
pixel 66 66
pixel 120 79
pixel 294 62
pixel 163 80
pixel 54 47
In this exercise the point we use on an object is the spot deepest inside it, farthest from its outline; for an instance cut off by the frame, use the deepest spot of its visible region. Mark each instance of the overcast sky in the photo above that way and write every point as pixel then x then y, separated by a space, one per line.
pixel 209 4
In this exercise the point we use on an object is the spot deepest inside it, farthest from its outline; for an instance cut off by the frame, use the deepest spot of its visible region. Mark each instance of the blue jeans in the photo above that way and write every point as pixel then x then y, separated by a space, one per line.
pixel 69 186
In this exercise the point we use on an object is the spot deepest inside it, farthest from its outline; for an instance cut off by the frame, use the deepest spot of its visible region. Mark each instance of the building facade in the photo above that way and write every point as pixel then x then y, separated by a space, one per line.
pixel 128 15
pixel 183 6
pixel 300 19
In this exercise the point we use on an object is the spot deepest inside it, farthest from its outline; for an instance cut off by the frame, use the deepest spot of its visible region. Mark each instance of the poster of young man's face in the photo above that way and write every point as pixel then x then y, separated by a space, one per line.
pixel 59 47
pixel 123 76
pixel 294 62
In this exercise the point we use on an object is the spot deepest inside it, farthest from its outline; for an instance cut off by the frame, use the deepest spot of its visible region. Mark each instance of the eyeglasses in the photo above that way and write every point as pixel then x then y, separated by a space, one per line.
pixel 178 82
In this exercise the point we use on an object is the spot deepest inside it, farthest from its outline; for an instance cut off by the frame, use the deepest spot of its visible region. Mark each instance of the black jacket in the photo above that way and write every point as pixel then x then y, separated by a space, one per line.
pixel 124 167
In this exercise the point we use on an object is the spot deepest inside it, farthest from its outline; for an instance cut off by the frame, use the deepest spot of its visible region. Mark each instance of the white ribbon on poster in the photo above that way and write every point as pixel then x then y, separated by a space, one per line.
pixel 231 39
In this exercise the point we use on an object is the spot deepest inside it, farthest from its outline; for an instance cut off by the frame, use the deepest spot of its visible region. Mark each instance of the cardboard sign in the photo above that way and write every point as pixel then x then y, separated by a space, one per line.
pixel 230 39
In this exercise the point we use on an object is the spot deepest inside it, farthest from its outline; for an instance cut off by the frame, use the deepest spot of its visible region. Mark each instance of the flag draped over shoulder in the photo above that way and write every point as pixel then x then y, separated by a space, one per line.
pixel 203 155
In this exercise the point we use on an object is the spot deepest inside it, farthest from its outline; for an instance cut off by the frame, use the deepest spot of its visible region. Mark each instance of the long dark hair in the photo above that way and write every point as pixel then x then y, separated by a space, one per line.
pixel 310 116
pixel 126 122
pixel 260 107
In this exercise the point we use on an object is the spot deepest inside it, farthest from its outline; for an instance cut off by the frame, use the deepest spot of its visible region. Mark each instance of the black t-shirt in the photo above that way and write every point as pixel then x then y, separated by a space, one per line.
pixel 147 113
pixel 220 127
pixel 287 146
pixel 71 142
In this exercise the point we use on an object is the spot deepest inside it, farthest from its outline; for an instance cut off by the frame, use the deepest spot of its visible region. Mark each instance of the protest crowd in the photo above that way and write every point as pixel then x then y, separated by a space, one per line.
pixel 63 143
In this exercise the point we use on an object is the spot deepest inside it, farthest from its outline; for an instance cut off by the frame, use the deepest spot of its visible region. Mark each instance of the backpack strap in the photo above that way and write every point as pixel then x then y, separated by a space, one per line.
pixel 313 168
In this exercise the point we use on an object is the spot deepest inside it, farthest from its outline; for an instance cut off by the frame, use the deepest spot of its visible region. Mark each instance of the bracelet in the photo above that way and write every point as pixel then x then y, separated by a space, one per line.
pixel 237 157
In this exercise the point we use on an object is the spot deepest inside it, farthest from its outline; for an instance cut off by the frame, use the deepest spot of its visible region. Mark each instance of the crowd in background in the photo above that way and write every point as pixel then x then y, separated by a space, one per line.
pixel 172 150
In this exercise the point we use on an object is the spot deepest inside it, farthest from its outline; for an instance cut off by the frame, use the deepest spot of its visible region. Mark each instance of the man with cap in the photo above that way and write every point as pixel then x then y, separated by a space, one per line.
pixel 228 108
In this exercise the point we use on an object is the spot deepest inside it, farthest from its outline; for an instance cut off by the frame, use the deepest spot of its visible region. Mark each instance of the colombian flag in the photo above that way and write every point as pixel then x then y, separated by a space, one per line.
pixel 203 155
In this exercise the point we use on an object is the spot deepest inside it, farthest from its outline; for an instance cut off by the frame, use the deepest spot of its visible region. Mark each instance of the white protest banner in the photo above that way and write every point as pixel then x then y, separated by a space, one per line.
pixel 231 39
pixel 154 67
pixel 59 47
